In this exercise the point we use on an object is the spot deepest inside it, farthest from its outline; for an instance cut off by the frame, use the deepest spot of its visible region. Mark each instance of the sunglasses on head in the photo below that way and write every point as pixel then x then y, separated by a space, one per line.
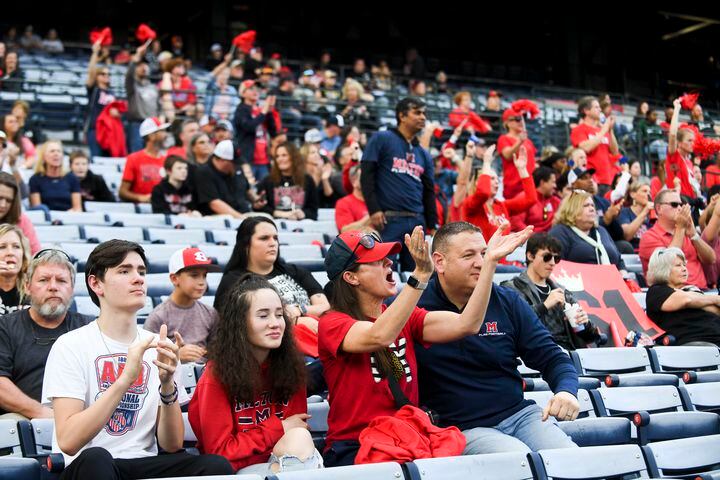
pixel 368 241
pixel 45 251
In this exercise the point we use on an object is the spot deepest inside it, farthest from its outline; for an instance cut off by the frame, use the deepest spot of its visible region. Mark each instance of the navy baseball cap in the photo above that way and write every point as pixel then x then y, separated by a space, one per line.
pixel 356 247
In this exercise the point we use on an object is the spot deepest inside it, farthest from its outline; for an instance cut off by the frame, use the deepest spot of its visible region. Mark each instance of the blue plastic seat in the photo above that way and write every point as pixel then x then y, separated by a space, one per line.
pixel 78 218
pixel 102 234
pixel 680 359
pixel 293 253
pixel 157 220
pixel 37 217
pixel 296 238
pixel 223 237
pixel 171 235
pixel 9 438
pixel 705 397
pixel 59 233
pixel 686 457
pixel 508 466
pixel 600 362
pixel 371 471
pixel 202 223
pixel 221 253
pixel 158 284
pixel 110 207
pixel 16 468
pixel 613 461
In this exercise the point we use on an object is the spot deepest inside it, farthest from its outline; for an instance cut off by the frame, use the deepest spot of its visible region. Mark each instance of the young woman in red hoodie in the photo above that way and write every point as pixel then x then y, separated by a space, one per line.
pixel 482 209
pixel 250 404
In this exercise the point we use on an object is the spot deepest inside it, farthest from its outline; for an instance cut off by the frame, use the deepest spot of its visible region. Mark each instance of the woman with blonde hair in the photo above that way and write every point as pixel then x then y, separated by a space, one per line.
pixel 582 239
pixel 14 261
pixel 99 96
pixel 52 185
pixel 637 218
pixel 11 210
pixel 355 108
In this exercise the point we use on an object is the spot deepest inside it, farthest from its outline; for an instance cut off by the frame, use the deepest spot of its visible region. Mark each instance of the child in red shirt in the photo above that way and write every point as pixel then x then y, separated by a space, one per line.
pixel 250 405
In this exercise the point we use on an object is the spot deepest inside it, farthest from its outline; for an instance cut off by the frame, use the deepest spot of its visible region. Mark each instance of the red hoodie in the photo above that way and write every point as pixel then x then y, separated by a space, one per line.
pixel 110 132
pixel 474 207
pixel 244 433
pixel 457 116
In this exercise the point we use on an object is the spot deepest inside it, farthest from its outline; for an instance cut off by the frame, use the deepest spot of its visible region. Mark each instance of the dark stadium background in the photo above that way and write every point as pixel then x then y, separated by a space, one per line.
pixel 599 46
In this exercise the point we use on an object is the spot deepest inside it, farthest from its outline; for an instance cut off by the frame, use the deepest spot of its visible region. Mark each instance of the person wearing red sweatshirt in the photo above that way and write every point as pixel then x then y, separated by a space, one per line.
pixel 541 213
pixel 678 163
pixel 463 112
pixel 482 209
pixel 250 405
pixel 508 146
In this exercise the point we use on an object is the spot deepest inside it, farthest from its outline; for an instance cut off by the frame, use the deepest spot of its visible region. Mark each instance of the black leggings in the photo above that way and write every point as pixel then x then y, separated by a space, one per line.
pixel 96 462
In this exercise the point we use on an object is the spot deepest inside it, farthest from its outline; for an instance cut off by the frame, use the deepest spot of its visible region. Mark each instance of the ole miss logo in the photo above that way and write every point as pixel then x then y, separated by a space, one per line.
pixel 491 329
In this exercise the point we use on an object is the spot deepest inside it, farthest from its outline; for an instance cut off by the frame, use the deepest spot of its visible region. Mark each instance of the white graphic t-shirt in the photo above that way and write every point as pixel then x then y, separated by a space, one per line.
pixel 79 366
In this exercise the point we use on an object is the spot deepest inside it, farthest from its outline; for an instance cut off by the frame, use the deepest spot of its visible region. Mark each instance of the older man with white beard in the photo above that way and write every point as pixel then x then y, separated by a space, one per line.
pixel 26 336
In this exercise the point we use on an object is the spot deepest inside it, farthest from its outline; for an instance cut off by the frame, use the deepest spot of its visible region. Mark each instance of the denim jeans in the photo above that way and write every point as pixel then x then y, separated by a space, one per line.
pixel 260 172
pixel 522 432
pixel 395 230
pixel 93 146
pixel 134 140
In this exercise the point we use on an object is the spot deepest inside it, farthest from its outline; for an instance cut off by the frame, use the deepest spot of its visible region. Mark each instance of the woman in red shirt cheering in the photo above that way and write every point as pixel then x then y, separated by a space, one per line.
pixel 250 405
pixel 368 350
pixel 679 163
pixel 482 209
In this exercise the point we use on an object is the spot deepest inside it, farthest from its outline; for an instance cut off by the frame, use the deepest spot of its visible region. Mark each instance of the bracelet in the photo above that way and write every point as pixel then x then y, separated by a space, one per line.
pixel 170 398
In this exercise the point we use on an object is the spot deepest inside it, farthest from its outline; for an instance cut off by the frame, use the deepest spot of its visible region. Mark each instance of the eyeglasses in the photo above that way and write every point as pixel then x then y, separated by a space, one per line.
pixel 368 241
pixel 551 256
pixel 673 204
pixel 45 251
pixel 514 119
pixel 103 73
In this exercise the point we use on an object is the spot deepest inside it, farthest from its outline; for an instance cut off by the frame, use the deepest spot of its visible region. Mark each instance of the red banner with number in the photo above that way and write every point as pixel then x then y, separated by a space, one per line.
pixel 602 293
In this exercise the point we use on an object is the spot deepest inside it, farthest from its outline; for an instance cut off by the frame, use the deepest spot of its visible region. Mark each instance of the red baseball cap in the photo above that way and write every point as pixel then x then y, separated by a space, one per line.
pixel 356 247
pixel 189 258
pixel 510 112
pixel 494 93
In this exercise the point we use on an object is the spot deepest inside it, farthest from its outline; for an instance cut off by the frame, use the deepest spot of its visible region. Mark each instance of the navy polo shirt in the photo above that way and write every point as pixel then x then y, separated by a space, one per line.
pixel 474 382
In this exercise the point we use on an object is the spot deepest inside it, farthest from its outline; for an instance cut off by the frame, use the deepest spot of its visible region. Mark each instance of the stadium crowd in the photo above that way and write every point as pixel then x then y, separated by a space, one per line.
pixel 114 390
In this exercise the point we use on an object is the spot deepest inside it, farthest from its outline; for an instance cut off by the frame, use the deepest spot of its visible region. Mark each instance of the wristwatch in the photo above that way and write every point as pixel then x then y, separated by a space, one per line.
pixel 416 284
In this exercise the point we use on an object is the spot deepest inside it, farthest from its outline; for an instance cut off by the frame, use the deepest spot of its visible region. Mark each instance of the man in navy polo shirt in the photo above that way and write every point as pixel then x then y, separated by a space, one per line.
pixel 473 383
pixel 397 178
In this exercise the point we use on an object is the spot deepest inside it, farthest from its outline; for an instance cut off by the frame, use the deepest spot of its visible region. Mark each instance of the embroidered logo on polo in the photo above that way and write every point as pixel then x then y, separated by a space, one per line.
pixel 399 351
pixel 254 413
pixel 107 370
pixel 490 330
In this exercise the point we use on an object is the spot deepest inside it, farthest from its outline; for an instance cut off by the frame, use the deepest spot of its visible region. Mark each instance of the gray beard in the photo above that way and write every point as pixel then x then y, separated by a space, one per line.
pixel 49 312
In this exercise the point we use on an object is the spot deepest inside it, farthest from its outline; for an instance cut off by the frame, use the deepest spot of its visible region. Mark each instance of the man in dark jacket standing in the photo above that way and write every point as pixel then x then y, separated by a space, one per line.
pixel 254 126
pixel 473 383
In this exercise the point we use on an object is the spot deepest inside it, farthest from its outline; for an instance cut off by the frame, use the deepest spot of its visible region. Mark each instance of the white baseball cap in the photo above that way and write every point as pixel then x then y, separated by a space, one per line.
pixel 189 258
pixel 152 125
pixel 313 136
pixel 225 150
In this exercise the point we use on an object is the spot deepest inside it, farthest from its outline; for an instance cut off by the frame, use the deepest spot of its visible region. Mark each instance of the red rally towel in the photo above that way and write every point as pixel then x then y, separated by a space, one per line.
pixel 110 132
pixel 407 436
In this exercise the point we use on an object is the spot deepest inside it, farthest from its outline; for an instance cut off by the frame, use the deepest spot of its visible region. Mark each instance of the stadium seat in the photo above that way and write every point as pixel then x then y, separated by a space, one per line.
pixel 188 375
pixel 687 457
pixel 118 162
pixel 640 298
pixel 292 253
pixel 9 438
pixel 600 362
pixel 143 208
pixel 627 401
pixel 59 233
pixel 43 434
pixel 371 471
pixel 538 384
pixel 327 214
pixel 202 223
pixel 85 306
pixel 16 468
pixel 508 466
pixel 613 461
pixel 97 234
pixel 526 371
pixel 78 252
pixel 223 237
pixel 295 238
pixel 158 284
pixel 679 359
pixel 318 421
pixel 221 253
pixel 80 289
pixel 171 235
pixel 78 218
pixel 705 397
pixel 37 217
pixel 158 255
pixel 543 397
pixel 133 219
pixel 110 207
pixel 213 280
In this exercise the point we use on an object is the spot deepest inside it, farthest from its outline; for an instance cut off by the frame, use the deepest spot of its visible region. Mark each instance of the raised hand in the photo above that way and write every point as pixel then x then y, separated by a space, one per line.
pixel 470 149
pixel 489 154
pixel 677 104
pixel 501 245
pixel 520 160
pixel 167 355
pixel 134 361
pixel 420 252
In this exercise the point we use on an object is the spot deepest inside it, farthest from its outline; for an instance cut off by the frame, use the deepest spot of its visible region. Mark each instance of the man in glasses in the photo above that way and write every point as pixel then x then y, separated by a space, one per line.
pixel 675 228
pixel 473 383
pixel 547 298
pixel 397 178
pixel 26 336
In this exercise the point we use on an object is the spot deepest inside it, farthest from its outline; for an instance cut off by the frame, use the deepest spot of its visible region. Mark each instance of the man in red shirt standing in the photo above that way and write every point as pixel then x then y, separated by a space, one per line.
pixel 675 228
pixel 597 140
pixel 351 213
pixel 144 168
pixel 508 145
pixel 542 212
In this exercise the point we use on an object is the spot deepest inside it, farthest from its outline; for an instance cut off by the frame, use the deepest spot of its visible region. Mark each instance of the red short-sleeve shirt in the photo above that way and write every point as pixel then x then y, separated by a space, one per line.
pixel 357 394
pixel 511 178
pixel 143 172
pixel 600 158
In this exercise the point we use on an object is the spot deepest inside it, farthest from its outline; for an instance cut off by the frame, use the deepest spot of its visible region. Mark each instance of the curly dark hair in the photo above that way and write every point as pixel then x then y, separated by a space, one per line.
pixel 231 353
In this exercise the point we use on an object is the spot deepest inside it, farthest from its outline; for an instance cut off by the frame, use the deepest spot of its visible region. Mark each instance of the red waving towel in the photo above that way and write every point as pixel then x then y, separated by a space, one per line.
pixel 110 132
pixel 104 35
pixel 689 100
pixel 407 436
pixel 245 41
pixel 145 33
pixel 526 106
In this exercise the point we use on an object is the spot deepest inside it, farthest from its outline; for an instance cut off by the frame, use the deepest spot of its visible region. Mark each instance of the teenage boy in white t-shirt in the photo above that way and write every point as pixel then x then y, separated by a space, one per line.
pixel 114 386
